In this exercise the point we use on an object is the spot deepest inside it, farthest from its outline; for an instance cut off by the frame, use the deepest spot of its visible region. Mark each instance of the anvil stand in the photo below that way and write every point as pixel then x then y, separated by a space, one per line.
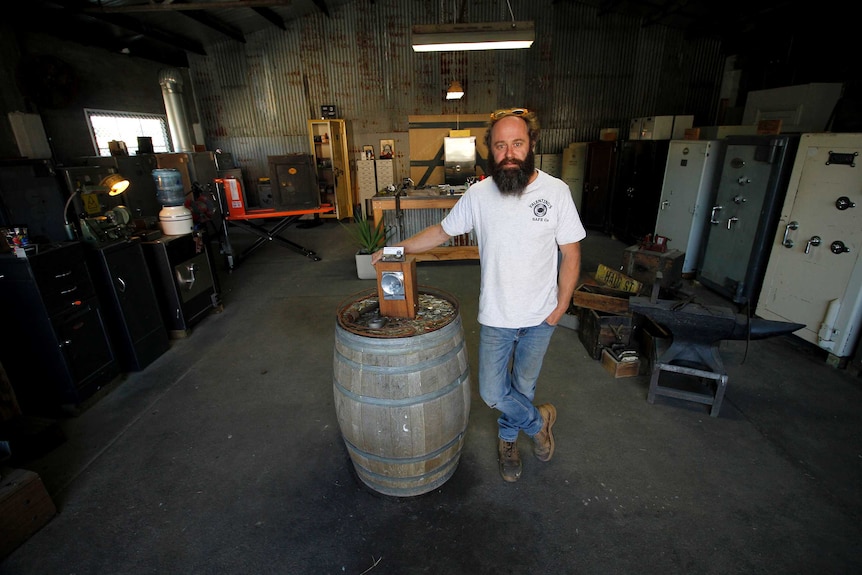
pixel 708 365
pixel 692 354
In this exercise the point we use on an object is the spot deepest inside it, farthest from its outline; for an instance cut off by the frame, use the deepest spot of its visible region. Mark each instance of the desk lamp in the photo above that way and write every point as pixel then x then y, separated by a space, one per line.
pixel 112 185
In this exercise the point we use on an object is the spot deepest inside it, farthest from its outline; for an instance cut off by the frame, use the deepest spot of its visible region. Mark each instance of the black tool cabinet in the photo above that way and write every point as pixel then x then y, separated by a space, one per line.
pixel 598 184
pixel 53 343
pixel 637 188
pixel 126 291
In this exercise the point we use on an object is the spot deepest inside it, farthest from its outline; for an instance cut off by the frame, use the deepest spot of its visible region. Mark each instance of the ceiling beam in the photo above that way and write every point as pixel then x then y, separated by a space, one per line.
pixel 210 21
pixel 186 6
pixel 321 5
pixel 271 17
pixel 75 12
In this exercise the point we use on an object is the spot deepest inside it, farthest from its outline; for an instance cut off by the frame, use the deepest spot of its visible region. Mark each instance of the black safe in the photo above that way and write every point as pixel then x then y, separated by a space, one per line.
pixel 127 293
pixel 186 286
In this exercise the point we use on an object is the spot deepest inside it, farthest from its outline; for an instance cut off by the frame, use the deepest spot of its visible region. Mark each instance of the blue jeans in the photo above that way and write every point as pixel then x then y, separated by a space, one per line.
pixel 509 364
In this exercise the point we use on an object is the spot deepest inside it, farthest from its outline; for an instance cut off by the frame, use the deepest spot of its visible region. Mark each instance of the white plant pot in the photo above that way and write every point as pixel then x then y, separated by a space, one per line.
pixel 364 269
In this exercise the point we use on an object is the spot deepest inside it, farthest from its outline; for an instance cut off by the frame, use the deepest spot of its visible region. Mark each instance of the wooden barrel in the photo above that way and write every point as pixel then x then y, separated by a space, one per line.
pixel 402 400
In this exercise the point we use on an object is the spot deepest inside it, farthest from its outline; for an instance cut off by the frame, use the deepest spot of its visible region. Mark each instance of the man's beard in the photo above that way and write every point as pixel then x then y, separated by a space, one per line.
pixel 513 181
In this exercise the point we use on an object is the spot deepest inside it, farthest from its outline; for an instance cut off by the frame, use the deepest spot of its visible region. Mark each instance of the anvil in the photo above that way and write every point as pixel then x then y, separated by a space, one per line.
pixel 697 330
pixel 707 324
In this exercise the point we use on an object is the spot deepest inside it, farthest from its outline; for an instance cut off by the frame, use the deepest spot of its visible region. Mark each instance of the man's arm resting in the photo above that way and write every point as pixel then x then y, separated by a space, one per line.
pixel 570 270
pixel 430 237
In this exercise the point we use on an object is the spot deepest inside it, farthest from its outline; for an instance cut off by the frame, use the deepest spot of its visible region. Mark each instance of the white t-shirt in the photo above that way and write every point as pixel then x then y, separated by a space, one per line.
pixel 518 253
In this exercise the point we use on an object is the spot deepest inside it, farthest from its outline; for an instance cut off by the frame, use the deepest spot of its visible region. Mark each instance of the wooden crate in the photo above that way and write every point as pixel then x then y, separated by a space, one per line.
pixel 25 507
pixel 620 368
pixel 642 265
pixel 598 330
pixel 601 298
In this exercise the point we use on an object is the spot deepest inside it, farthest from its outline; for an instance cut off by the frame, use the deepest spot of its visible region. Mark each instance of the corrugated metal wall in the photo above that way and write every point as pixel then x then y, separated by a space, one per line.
pixel 586 71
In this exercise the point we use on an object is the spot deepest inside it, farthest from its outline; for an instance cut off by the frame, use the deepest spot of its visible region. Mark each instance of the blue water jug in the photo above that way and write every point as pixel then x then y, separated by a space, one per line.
pixel 169 187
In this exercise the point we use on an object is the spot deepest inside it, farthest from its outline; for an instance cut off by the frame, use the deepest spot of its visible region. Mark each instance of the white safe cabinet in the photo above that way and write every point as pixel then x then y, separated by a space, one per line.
pixel 814 275
pixel 687 196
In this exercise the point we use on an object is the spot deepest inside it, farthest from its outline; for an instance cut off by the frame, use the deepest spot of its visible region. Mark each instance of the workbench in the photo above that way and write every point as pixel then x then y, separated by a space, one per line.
pixel 405 215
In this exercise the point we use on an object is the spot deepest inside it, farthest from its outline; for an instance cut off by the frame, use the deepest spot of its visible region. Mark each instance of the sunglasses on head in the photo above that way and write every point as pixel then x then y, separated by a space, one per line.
pixel 509 112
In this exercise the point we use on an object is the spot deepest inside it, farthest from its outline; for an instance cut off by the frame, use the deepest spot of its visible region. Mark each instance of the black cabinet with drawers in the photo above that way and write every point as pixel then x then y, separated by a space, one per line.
pixel 53 342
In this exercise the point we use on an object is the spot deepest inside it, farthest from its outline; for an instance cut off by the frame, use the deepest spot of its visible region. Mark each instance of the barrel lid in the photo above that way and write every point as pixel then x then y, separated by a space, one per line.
pixel 360 314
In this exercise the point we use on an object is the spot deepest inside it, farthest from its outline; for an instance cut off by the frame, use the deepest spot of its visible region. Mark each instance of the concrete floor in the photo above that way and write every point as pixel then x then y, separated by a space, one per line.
pixel 225 456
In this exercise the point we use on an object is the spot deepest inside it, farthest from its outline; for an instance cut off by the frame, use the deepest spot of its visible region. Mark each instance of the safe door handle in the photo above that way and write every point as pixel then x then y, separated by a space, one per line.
pixel 839 247
pixel 712 215
pixel 731 220
pixel 787 242
pixel 814 241
pixel 188 282
pixel 121 285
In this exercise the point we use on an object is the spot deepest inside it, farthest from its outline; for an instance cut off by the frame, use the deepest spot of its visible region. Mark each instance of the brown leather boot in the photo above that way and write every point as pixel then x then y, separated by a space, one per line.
pixel 543 442
pixel 510 460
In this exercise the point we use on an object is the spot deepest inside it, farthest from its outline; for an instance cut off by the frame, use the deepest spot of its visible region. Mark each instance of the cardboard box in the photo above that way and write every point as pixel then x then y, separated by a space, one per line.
pixel 598 330
pixel 660 127
pixel 620 368
pixel 25 507
pixel 609 134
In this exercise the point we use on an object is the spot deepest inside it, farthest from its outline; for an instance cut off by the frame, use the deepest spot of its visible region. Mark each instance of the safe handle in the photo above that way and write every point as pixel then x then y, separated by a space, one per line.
pixel 730 221
pixel 844 202
pixel 787 242
pixel 839 247
pixel 712 216
pixel 187 282
pixel 814 241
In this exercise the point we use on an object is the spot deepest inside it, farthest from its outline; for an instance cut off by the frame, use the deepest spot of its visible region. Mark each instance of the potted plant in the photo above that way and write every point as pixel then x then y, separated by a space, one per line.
pixel 369 238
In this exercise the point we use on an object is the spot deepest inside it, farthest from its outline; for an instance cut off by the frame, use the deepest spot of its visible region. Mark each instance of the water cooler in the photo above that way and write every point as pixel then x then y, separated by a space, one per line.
pixel 175 218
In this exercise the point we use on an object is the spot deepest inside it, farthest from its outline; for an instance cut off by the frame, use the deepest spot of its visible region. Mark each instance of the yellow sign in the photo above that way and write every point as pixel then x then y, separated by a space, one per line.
pixel 617 280
pixel 91 203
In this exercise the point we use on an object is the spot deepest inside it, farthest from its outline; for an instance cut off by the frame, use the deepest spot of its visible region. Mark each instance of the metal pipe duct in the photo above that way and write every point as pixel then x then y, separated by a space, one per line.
pixel 172 83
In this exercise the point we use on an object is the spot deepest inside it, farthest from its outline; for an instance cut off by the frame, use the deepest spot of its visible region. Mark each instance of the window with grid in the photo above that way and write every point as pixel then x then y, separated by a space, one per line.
pixel 107 125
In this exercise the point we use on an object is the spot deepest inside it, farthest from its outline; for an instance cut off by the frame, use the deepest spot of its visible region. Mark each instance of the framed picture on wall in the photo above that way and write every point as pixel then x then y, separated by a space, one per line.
pixel 367 152
pixel 387 149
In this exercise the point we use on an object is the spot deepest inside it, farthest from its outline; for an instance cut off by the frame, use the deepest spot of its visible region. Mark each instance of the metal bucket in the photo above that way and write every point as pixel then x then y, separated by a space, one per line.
pixel 402 394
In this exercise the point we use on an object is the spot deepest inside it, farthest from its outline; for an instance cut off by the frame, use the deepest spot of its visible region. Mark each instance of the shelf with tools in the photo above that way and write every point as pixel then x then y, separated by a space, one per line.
pixel 328 141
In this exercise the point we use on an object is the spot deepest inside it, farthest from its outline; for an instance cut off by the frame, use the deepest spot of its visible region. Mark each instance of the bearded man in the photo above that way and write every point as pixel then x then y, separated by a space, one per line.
pixel 528 232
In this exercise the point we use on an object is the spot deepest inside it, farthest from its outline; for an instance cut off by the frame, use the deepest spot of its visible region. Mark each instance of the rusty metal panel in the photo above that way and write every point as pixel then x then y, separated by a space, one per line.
pixel 588 70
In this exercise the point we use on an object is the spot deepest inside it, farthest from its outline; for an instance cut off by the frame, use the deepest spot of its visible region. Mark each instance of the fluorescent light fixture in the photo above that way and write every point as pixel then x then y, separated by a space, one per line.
pixel 455 91
pixel 458 37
